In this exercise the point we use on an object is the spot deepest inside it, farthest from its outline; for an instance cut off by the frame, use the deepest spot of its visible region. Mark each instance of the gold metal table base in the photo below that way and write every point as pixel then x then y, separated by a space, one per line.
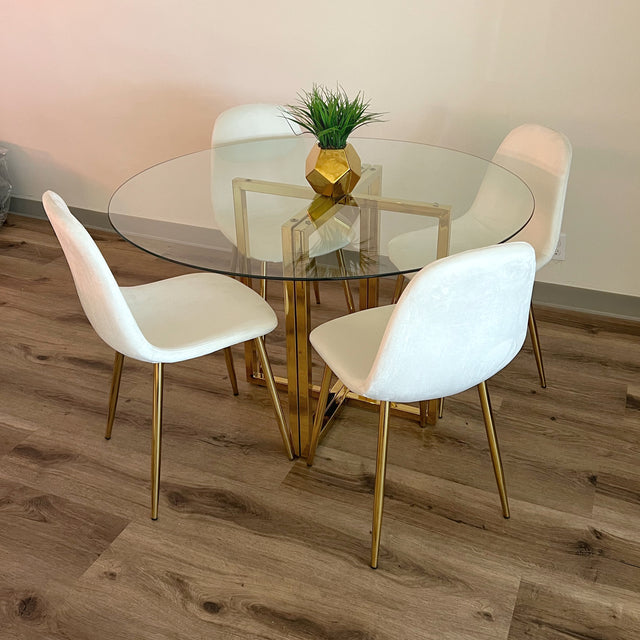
pixel 297 262
pixel 339 395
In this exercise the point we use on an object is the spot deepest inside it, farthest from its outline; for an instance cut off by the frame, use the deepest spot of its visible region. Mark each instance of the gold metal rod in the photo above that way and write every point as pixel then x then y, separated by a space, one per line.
pixel 371 179
pixel 397 408
pixel 423 405
pixel 321 408
pixel 369 293
pixel 228 357
pixel 345 283
pixel 333 409
pixel 295 191
pixel 432 412
pixel 535 343
pixel 250 356
pixel 444 235
pixel 493 446
pixel 241 219
pixel 273 392
pixel 369 246
pixel 113 393
pixel 348 296
pixel 381 469
pixel 158 373
pixel 414 207
pixel 273 188
pixel 441 408
pixel 251 362
pixel 297 321
pixel 263 281
pixel 397 292
pixel 292 362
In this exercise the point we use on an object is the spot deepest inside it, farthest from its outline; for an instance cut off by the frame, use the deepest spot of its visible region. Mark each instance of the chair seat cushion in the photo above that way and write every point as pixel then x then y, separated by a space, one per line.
pixel 195 314
pixel 459 321
pixel 349 344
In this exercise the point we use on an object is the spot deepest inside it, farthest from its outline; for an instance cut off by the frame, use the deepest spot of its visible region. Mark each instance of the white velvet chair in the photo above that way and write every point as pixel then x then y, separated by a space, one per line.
pixel 542 158
pixel 162 322
pixel 247 122
pixel 458 322
pixel 251 122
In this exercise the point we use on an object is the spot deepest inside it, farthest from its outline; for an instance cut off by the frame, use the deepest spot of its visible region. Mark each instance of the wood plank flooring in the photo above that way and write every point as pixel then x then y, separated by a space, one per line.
pixel 251 546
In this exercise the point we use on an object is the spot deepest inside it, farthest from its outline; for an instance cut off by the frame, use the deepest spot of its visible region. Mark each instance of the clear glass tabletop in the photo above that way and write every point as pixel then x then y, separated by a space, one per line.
pixel 245 209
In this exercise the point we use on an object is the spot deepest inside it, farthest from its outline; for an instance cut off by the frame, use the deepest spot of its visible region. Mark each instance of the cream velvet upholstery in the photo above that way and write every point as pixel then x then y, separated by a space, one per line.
pixel 163 322
pixel 167 321
pixel 252 122
pixel 458 322
pixel 542 158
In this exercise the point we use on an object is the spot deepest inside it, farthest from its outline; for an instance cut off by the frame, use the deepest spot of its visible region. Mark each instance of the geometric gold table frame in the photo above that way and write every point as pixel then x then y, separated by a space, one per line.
pixel 296 233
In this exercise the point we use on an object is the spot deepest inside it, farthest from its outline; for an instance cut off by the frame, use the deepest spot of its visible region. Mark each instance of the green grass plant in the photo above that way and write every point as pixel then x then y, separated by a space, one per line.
pixel 330 115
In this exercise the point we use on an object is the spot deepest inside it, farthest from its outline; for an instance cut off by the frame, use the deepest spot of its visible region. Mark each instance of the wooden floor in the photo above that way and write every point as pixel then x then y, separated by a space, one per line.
pixel 249 545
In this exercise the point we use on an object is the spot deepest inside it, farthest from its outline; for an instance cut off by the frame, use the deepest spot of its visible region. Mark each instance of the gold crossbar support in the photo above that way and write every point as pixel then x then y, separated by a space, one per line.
pixel 296 262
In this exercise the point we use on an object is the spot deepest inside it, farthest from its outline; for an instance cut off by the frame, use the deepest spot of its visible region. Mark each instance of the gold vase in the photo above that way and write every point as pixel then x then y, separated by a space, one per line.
pixel 333 172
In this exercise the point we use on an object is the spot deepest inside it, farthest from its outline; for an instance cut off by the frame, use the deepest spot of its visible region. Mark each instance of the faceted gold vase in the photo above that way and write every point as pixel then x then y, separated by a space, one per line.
pixel 333 172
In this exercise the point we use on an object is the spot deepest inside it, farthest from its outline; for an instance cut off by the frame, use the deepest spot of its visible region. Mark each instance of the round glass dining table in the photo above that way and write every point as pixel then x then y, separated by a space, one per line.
pixel 245 210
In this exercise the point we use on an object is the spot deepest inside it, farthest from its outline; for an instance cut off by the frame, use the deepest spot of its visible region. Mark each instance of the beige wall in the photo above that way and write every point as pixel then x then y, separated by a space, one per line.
pixel 94 91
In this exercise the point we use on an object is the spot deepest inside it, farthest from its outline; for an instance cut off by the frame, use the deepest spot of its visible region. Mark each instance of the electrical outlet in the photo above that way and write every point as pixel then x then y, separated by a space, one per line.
pixel 561 248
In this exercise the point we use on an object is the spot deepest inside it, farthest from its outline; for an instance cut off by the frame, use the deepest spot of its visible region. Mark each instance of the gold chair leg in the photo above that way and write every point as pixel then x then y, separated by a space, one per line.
pixel 348 296
pixel 316 291
pixel 321 407
pixel 158 374
pixel 273 392
pixel 535 343
pixel 440 408
pixel 381 470
pixel 493 446
pixel 113 394
pixel 397 292
pixel 228 357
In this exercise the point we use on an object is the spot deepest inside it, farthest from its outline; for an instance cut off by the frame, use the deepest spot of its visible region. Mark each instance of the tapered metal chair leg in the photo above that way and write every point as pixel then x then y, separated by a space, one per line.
pixel 273 392
pixel 381 470
pixel 535 343
pixel 441 408
pixel 228 358
pixel 493 447
pixel 398 290
pixel 158 375
pixel 316 291
pixel 348 296
pixel 113 394
pixel 321 408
